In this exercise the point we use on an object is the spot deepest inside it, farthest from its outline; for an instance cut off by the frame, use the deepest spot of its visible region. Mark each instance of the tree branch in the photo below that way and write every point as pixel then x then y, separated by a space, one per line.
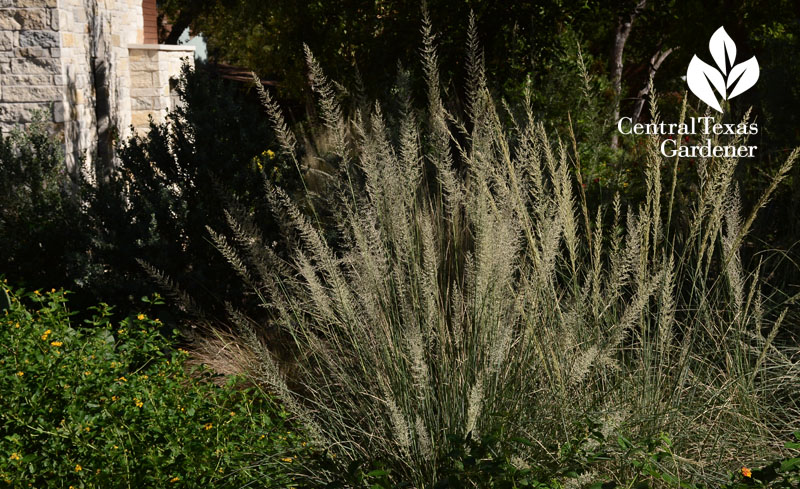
pixel 655 63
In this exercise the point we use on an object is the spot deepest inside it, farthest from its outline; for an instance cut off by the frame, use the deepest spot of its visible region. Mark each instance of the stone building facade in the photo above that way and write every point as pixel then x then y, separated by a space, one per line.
pixel 86 63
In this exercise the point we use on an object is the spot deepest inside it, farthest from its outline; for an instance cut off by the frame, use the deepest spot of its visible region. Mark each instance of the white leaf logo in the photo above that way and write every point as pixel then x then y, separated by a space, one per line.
pixel 701 77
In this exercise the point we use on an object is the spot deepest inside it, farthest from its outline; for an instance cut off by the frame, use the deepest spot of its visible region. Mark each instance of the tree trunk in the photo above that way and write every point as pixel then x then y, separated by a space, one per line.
pixel 655 63
pixel 624 26
pixel 178 26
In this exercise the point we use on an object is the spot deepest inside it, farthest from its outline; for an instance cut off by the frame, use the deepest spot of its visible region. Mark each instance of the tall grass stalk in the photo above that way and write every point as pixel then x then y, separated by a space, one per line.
pixel 471 290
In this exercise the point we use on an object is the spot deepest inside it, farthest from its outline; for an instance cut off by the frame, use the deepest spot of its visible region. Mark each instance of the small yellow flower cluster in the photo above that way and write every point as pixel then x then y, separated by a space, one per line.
pixel 122 379
pixel 56 343
pixel 37 292
pixel 114 398
pixel 78 467
pixel 208 426
pixel 747 472
pixel 138 402
pixel 15 456
pixel 20 373
pixel 45 335
pixel 287 460
pixel 175 479
pixel 140 317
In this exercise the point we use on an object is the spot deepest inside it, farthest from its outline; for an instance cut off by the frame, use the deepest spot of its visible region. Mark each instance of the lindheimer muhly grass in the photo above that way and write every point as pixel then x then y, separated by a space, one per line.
pixel 471 290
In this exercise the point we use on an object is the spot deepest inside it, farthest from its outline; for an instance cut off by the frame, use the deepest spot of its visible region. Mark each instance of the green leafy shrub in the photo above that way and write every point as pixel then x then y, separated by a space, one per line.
pixel 112 405
pixel 468 287
pixel 42 224
pixel 176 180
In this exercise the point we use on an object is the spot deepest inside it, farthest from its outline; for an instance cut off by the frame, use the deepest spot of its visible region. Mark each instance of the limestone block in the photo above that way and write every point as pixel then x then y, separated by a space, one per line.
pixel 144 92
pixel 141 80
pixel 26 80
pixel 33 18
pixel 145 66
pixel 79 14
pixel 8 20
pixel 64 20
pixel 44 39
pixel 17 113
pixel 60 112
pixel 145 103
pixel 31 94
pixel 36 3
pixel 55 19
pixel 6 40
pixel 35 65
pixel 82 80
pixel 32 52
pixel 140 118
pixel 67 39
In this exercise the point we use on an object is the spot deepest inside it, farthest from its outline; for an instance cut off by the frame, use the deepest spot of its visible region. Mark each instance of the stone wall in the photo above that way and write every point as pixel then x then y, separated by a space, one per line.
pixel 83 62
pixel 94 39
pixel 153 67
pixel 31 72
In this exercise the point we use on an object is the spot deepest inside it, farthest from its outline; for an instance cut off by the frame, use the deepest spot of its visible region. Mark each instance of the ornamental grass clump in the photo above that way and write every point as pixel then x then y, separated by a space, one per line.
pixel 464 285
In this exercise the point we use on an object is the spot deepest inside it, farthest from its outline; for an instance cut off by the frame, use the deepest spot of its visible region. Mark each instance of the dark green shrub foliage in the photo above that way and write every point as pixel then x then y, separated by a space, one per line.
pixel 113 406
pixel 40 214
pixel 177 180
